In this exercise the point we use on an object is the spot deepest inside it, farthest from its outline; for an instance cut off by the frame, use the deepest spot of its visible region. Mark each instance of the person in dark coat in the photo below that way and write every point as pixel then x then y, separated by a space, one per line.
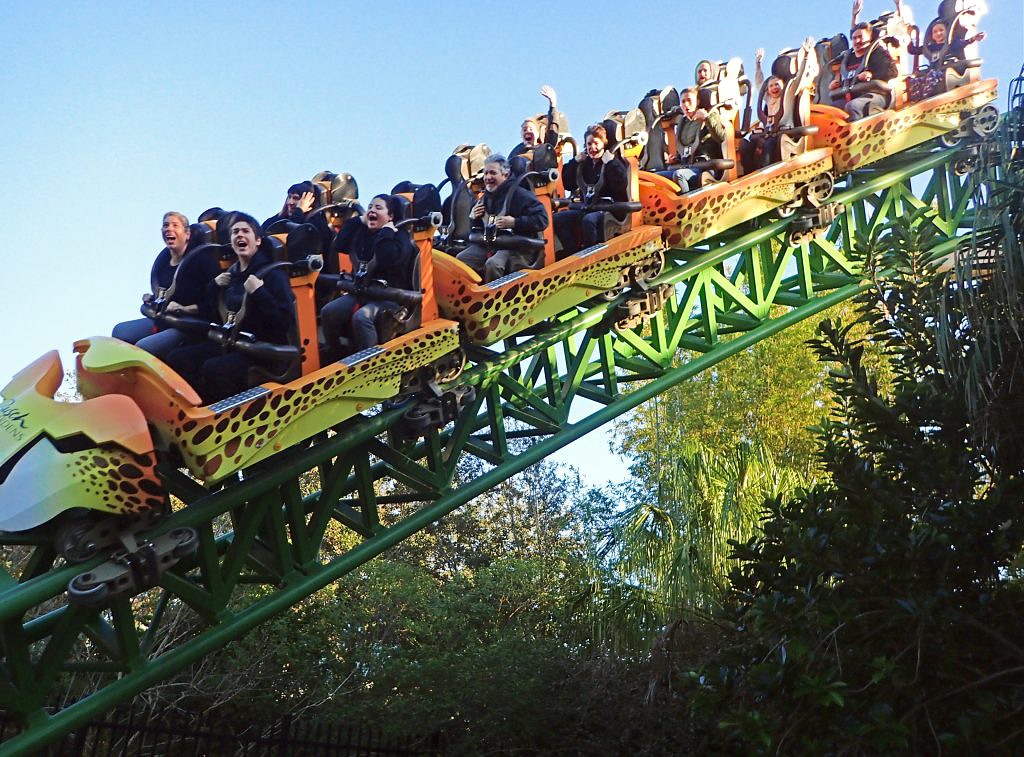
pixel 379 252
pixel 300 206
pixel 597 175
pixel 507 208
pixel 298 203
pixel 269 315
pixel 877 67
pixel 175 269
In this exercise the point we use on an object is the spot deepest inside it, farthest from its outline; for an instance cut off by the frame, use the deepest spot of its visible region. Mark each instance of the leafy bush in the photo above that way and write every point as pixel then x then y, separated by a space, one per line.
pixel 880 611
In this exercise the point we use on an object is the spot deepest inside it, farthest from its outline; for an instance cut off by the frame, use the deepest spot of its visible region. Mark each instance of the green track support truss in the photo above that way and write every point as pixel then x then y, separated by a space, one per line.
pixel 554 386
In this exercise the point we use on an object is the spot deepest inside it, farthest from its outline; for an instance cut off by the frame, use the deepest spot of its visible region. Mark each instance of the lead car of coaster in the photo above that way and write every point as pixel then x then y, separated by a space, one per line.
pixel 87 473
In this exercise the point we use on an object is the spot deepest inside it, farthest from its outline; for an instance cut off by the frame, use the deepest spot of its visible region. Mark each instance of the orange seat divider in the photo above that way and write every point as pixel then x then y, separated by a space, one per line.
pixel 304 289
pixel 425 244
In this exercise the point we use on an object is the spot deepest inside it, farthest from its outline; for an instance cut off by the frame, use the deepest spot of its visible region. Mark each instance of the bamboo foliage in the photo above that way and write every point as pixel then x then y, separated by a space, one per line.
pixel 665 555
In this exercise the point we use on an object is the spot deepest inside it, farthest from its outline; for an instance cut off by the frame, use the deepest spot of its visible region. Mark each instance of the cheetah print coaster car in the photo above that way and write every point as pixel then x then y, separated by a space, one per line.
pixel 218 440
pixel 703 213
pixel 490 312
pixel 855 144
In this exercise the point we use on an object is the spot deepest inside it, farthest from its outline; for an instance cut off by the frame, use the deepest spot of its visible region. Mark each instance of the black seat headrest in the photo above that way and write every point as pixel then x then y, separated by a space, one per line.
pixel 281 226
pixel 211 214
pixel 404 187
pixel 649 105
pixel 426 199
pixel 519 165
pixel 343 187
pixel 669 99
pixel 303 240
pixel 273 246
pixel 785 66
pixel 456 169
pixel 880 25
pixel 633 122
pixel 544 157
pixel 614 130
pixel 322 182
pixel 198 235
pixel 404 206
pixel 477 156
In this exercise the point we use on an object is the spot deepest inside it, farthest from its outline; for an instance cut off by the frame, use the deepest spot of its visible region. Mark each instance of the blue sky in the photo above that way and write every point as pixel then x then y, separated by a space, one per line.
pixel 113 113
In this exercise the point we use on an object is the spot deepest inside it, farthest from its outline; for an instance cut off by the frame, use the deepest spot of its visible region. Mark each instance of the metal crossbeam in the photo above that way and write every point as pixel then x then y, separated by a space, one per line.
pixel 269 527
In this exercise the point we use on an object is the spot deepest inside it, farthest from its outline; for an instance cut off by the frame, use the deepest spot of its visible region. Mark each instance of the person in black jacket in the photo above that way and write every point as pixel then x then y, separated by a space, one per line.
pixel 379 252
pixel 878 67
pixel 598 175
pixel 503 207
pixel 300 206
pixel 184 275
pixel 298 203
pixel 269 315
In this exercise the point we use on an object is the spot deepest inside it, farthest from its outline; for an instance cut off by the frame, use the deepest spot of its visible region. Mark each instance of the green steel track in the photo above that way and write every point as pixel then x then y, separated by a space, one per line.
pixel 553 386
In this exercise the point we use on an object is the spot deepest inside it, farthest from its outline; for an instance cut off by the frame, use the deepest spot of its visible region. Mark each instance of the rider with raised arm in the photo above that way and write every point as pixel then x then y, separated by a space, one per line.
pixel 760 146
pixel 504 208
pixel 596 175
pixel 378 252
pixel 531 129
pixel 941 46
pixel 300 206
pixel 269 315
pixel 298 203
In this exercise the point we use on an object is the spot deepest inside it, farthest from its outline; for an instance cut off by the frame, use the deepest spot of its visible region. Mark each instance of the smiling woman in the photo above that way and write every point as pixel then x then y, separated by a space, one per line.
pixel 248 297
pixel 178 282
pixel 378 252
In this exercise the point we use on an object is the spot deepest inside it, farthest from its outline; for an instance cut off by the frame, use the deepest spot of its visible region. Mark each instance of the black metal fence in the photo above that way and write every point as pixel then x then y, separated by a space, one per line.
pixel 147 733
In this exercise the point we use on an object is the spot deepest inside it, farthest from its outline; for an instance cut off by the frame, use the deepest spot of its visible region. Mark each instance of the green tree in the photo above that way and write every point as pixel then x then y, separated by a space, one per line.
pixel 532 514
pixel 877 611
pixel 770 393
pixel 461 629
pixel 663 555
